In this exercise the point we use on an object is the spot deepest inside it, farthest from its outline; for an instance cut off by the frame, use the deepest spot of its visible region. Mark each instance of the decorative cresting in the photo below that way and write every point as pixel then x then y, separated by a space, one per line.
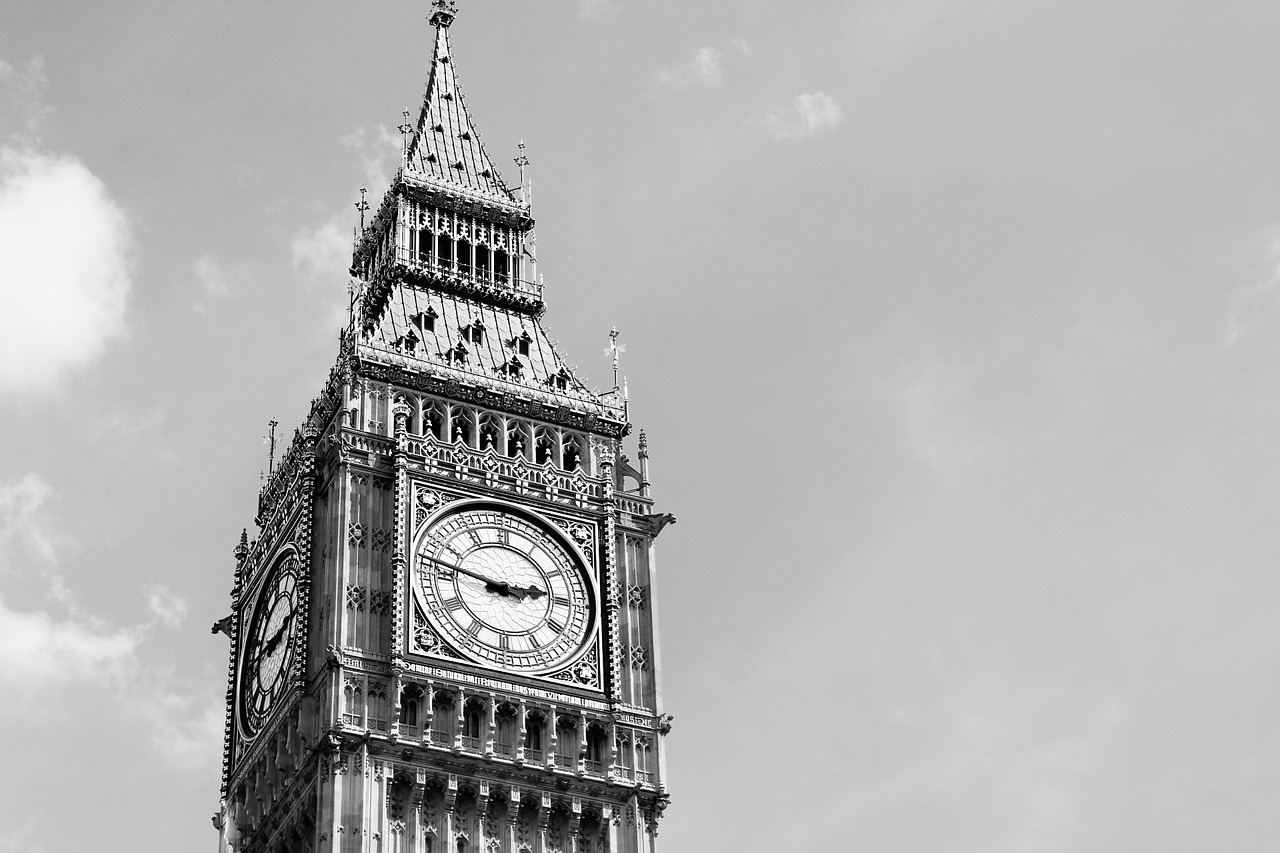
pixel 443 636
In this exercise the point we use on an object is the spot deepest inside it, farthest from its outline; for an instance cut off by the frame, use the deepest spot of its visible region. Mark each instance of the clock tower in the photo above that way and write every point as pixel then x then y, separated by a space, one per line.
pixel 443 638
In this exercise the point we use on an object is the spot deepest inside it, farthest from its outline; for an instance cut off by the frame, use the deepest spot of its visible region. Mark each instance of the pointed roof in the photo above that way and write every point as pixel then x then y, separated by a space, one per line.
pixel 445 148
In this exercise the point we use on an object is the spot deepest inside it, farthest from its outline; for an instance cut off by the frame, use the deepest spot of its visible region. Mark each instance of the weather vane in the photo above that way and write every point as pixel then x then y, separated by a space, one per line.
pixel 362 206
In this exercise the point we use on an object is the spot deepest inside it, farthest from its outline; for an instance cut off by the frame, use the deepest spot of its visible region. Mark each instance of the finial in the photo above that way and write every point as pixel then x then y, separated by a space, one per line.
pixel 270 440
pixel 362 205
pixel 404 129
pixel 616 349
pixel 522 161
pixel 242 549
pixel 444 12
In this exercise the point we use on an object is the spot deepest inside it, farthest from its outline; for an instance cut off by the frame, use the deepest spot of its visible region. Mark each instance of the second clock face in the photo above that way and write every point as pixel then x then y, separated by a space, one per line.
pixel 504 590
pixel 270 646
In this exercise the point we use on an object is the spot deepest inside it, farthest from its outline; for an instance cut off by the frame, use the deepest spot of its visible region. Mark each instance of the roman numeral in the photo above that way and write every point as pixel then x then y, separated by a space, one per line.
pixel 452 603
pixel 560 601
pixel 555 626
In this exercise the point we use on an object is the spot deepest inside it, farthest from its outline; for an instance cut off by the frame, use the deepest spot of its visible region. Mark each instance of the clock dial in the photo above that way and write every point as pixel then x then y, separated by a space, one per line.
pixel 270 645
pixel 504 588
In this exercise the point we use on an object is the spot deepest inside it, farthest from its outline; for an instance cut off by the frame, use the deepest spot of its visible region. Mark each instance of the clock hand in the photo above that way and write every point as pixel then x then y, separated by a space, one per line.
pixel 500 587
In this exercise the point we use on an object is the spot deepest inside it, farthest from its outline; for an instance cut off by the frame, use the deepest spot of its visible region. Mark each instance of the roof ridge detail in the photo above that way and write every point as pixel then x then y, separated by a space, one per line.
pixel 445 148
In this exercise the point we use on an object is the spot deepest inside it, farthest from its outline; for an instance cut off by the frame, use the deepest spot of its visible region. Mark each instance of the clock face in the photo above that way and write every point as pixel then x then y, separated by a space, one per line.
pixel 505 589
pixel 270 645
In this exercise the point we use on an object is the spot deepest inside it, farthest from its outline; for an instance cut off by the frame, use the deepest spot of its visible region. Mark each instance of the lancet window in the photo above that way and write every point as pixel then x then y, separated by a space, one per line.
pixel 534 725
pixel 442 717
pixel 566 741
pixel 472 723
pixel 452 242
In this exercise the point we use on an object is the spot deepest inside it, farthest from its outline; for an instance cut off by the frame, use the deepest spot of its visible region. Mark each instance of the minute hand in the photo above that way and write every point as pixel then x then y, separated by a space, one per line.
pixel 500 587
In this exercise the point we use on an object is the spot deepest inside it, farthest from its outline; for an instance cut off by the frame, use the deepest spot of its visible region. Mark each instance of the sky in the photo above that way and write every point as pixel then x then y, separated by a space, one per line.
pixel 954 328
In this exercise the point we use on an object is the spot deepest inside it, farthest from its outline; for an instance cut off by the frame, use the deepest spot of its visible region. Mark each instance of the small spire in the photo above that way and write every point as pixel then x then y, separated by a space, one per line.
pixel 444 11
pixel 242 549
pixel 405 129
pixel 616 349
pixel 270 440
pixel 362 205
pixel 522 161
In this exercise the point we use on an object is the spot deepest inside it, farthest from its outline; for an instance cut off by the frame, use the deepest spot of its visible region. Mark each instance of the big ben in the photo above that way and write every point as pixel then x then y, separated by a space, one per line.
pixel 443 637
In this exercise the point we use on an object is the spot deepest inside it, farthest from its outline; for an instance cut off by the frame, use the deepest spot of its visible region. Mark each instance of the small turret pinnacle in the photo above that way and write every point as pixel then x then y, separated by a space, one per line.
pixel 444 12
pixel 242 549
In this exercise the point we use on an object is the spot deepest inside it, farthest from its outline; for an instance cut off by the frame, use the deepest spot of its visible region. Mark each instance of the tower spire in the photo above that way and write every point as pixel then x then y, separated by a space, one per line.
pixel 443 12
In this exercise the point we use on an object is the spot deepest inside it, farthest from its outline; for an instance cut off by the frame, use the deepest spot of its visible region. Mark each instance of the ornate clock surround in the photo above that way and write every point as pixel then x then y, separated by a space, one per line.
pixel 425 638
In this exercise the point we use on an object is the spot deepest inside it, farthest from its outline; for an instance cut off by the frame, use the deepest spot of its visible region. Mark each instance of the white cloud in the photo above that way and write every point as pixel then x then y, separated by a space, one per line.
pixel 323 253
pixel 219 280
pixel 22 528
pixel 186 719
pixel 379 151
pixel 936 428
pixel 322 256
pixel 812 113
pixel 21 109
pixel 64 268
pixel 42 650
pixel 704 68
pixel 45 652
pixel 740 44
pixel 65 250
pixel 1254 305
pixel 597 8
pixel 170 609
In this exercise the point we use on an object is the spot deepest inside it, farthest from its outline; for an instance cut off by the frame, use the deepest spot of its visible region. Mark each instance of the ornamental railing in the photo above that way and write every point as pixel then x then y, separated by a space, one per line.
pixel 471 744
pixel 474 275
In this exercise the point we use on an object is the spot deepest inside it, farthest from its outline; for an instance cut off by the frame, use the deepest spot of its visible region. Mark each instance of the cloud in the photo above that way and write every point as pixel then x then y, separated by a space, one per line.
pixel 598 8
pixel 186 719
pixel 167 607
pixel 45 652
pixel 812 113
pixel 379 152
pixel 42 649
pixel 219 281
pixel 21 94
pixel 22 527
pixel 1251 307
pixel 322 256
pixel 933 402
pixel 704 68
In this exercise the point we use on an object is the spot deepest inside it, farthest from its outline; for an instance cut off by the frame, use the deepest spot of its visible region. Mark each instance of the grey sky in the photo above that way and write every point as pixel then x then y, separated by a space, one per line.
pixel 954 327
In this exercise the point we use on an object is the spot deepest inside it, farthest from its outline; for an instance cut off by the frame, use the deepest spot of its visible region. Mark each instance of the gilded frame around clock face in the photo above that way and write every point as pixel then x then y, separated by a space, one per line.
pixel 504 587
pixel 270 646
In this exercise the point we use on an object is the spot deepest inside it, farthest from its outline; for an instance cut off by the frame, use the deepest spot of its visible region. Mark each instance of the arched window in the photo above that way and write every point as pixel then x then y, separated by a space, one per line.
pixel 595 748
pixel 626 761
pixel 464 256
pixel 442 718
pixel 644 760
pixel 444 250
pixel 472 722
pixel 566 741
pixel 533 725
pixel 410 706
pixel 353 703
pixel 504 742
pixel 501 267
